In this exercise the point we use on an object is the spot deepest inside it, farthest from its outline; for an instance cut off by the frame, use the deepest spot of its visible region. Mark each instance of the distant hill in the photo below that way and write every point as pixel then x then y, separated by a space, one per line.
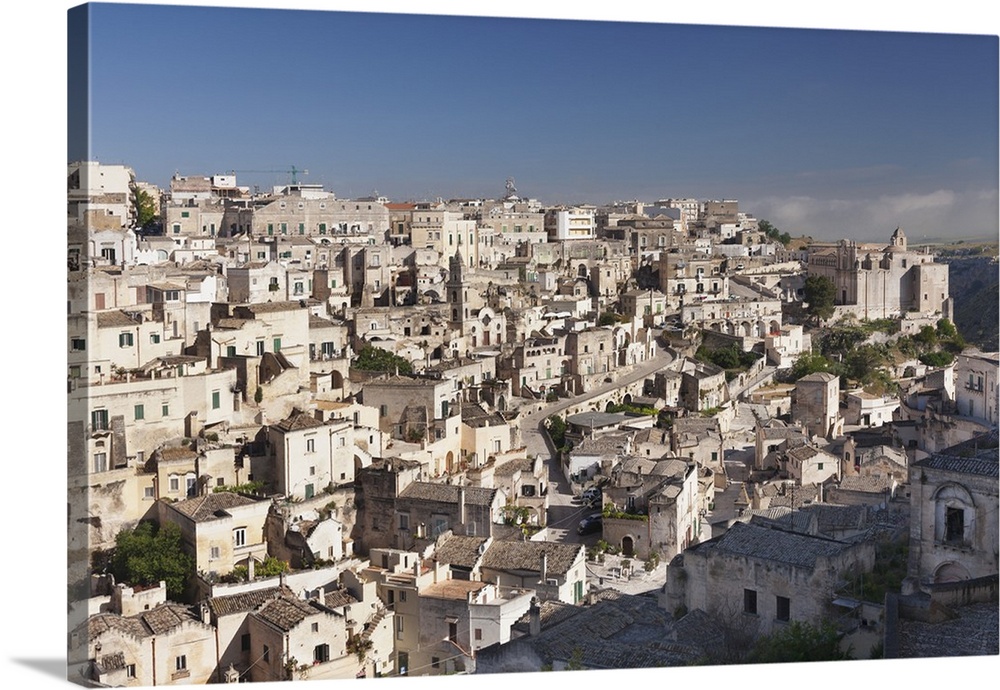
pixel 974 284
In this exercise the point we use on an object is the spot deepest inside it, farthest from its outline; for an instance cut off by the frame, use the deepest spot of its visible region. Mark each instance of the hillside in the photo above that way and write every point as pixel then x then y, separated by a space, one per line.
pixel 974 284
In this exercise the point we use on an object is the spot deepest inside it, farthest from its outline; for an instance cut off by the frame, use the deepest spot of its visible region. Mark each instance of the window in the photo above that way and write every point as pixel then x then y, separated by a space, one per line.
pixel 154 338
pixel 177 228
pixel 478 635
pixel 267 653
pixel 185 214
pixel 302 228
pixel 181 662
pixel 453 631
pixel 230 351
pixel 399 627
pixel 78 344
pixel 435 662
pixel 130 671
pixel 954 525
pixel 245 642
pixel 140 412
pixel 750 601
pixel 383 410
pixel 260 347
pixel 216 400
pixel 240 536
pixel 125 340
pixel 312 470
pixel 310 447
pixel 99 420
pixel 402 595
pixel 100 462
pixel 214 553
pixel 315 627
pixel 404 522
pixel 321 653
pixel 174 483
pixel 783 607
pixel 310 491
pixel 819 466
pixel 277 344
pixel 148 492
pixel 165 410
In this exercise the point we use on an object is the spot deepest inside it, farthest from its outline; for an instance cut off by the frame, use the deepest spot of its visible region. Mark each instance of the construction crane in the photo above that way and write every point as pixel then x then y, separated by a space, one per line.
pixel 293 172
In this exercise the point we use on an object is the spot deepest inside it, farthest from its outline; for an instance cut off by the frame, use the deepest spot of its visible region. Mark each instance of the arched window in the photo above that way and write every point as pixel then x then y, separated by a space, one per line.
pixel 954 515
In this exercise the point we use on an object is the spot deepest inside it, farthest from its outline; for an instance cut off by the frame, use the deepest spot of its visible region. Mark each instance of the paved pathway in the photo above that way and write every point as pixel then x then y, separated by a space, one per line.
pixel 564 514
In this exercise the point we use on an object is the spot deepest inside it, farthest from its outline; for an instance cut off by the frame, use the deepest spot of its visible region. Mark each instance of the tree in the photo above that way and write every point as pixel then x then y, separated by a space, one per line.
pixel 371 358
pixel 927 336
pixel 145 207
pixel 809 363
pixel 946 329
pixel 148 554
pixel 773 233
pixel 800 642
pixel 819 295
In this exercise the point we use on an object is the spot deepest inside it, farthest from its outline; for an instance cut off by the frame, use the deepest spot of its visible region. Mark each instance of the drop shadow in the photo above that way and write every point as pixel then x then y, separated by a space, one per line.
pixel 50 667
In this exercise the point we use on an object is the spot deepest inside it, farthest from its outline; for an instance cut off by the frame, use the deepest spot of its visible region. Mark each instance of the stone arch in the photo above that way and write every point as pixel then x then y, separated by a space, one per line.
pixel 745 328
pixel 628 546
pixel 449 462
pixel 774 326
pixel 627 398
pixel 501 403
pixel 607 408
pixel 581 271
pixel 951 572
pixel 336 379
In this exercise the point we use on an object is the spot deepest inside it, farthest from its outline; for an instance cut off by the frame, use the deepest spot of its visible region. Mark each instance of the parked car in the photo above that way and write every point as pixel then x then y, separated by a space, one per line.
pixel 590 524
pixel 591 493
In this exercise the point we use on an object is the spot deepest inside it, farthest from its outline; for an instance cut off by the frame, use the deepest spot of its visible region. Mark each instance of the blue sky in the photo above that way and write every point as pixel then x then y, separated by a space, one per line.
pixel 824 132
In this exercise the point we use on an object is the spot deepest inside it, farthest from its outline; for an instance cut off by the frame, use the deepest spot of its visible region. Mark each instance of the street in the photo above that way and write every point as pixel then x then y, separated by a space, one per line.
pixel 564 515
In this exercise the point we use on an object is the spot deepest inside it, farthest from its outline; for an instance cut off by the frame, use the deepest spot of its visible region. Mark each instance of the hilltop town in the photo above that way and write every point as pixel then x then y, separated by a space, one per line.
pixel 313 437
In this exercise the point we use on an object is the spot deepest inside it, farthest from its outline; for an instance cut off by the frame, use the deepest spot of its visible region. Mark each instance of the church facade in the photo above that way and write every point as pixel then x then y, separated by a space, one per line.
pixel 883 281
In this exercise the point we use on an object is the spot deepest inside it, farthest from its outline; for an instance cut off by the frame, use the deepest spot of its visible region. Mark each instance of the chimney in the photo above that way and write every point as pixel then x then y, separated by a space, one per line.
pixel 461 505
pixel 206 617
pixel 544 567
pixel 534 618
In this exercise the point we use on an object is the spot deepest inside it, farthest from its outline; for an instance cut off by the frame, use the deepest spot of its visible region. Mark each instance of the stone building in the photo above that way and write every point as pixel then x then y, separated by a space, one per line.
pixel 817 404
pixel 953 513
pixel 760 579
pixel 976 386
pixel 221 530
pixel 427 510
pixel 881 281
pixel 554 571
pixel 665 491
pixel 309 455
pixel 144 640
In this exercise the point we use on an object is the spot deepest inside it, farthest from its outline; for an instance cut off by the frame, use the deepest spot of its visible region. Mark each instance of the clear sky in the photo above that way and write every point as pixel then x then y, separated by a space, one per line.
pixel 829 133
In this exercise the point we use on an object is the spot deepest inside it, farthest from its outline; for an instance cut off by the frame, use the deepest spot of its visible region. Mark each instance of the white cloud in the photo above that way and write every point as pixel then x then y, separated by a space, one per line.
pixel 942 213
